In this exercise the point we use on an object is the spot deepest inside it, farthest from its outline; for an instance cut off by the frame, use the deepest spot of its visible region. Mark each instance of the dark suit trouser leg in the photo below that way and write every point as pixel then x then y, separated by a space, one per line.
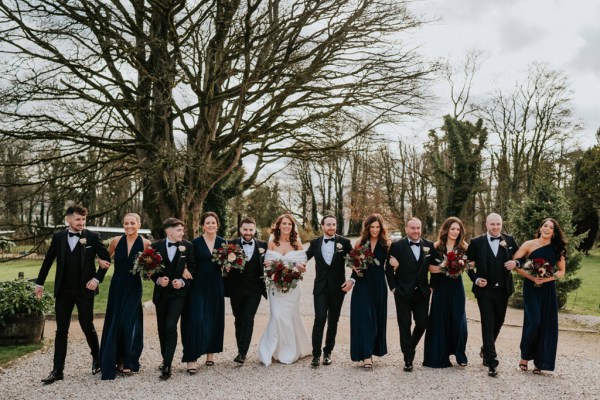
pixel 63 307
pixel 335 308
pixel 492 308
pixel 85 313
pixel 244 309
pixel 403 314
pixel 169 315
pixel 420 312
pixel 321 305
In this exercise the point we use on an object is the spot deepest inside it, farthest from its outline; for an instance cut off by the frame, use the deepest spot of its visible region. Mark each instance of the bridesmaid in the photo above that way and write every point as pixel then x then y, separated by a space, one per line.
pixel 122 335
pixel 540 326
pixel 203 317
pixel 446 332
pixel 368 306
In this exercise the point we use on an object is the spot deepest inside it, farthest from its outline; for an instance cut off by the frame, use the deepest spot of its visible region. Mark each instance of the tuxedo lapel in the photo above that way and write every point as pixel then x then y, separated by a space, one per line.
pixel 63 247
pixel 410 256
pixel 82 254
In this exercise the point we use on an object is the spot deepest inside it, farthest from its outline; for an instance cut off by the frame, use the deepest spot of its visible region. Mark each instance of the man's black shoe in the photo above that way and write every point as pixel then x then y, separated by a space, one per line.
pixel 240 358
pixel 53 377
pixel 95 366
pixel 165 373
pixel 327 359
pixel 493 372
pixel 408 366
pixel 316 361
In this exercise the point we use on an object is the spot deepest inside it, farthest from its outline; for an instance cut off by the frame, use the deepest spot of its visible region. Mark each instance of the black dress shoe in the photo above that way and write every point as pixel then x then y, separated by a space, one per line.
pixel 316 361
pixel 240 358
pixel 165 373
pixel 408 366
pixel 160 367
pixel 53 377
pixel 327 359
pixel 95 366
pixel 493 372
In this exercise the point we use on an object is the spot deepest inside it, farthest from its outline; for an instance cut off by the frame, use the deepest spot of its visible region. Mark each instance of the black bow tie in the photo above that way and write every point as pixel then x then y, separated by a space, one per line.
pixel 172 244
pixel 71 234
pixel 495 238
pixel 244 243
pixel 415 244
pixel 329 240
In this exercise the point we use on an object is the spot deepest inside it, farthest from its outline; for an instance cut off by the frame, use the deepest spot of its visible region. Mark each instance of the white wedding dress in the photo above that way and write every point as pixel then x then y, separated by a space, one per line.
pixel 285 338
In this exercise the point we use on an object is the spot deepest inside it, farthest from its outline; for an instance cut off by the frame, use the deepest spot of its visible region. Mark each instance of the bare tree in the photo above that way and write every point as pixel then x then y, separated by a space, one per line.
pixel 182 91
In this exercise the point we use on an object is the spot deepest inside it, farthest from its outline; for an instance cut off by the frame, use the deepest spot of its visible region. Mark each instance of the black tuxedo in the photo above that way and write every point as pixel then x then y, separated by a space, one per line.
pixel 493 298
pixel 168 300
pixel 327 292
pixel 244 289
pixel 74 268
pixel 411 291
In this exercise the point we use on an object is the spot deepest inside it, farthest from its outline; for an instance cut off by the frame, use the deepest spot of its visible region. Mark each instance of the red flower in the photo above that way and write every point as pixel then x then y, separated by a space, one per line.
pixel 451 256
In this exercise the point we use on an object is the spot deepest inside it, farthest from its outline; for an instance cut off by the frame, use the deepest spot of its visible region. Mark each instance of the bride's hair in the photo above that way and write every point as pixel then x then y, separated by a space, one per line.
pixel 276 231
pixel 365 235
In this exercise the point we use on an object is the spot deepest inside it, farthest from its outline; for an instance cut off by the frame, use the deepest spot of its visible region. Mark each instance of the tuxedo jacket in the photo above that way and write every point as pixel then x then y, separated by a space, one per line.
pixel 91 247
pixel 410 273
pixel 241 283
pixel 329 276
pixel 173 270
pixel 479 250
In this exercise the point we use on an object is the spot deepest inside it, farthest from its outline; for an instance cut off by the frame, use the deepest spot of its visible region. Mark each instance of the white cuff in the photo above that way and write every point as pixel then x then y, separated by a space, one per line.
pixel 352 279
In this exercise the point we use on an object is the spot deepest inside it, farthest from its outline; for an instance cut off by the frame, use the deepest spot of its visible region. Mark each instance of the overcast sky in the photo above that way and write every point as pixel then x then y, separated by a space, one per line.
pixel 512 34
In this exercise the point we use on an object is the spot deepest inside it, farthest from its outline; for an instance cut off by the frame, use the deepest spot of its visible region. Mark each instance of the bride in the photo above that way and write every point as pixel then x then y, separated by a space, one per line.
pixel 285 338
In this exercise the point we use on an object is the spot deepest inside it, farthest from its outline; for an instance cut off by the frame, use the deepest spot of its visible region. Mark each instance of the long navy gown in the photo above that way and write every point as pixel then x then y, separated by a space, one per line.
pixel 446 332
pixel 540 324
pixel 368 311
pixel 203 317
pixel 122 335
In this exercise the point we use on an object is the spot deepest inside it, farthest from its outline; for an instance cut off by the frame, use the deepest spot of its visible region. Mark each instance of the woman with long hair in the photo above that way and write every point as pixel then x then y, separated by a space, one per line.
pixel 540 325
pixel 368 306
pixel 447 325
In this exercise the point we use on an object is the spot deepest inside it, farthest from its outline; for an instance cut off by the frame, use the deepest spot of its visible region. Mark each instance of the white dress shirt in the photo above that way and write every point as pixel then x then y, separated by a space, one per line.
pixel 248 248
pixel 415 249
pixel 494 244
pixel 328 249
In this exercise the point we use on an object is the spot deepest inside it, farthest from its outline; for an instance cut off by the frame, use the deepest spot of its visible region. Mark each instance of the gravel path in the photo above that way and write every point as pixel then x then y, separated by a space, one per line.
pixel 576 375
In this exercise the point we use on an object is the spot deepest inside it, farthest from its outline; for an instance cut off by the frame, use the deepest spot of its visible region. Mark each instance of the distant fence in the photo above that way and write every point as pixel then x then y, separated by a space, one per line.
pixel 21 256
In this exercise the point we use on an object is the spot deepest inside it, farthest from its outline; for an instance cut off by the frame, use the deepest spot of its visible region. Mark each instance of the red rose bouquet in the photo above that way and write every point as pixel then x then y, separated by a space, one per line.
pixel 360 258
pixel 455 263
pixel 147 263
pixel 281 275
pixel 229 256
pixel 538 268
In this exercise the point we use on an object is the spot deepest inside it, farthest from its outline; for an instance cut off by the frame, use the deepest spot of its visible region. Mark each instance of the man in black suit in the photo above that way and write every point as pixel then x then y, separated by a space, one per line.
pixel 492 283
pixel 406 271
pixel 169 291
pixel 244 288
pixel 76 283
pixel 330 286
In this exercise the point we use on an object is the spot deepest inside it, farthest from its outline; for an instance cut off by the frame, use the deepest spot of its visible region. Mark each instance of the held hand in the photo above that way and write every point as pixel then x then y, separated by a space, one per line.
pixel 393 262
pixel 186 274
pixel 347 286
pixel 39 291
pixel 482 282
pixel 510 265
pixel 301 267
pixel 357 270
pixel 177 284
pixel 163 281
pixel 92 284
pixel 104 264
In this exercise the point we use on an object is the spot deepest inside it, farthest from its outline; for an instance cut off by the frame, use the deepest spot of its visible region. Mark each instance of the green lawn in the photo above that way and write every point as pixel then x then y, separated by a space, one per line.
pixel 10 271
pixel 8 353
pixel 586 299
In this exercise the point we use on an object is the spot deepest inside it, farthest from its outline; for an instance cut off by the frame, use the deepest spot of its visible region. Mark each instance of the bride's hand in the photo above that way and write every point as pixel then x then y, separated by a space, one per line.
pixel 301 267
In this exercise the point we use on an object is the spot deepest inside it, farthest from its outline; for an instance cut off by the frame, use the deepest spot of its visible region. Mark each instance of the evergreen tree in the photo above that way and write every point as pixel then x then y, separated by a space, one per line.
pixel 586 197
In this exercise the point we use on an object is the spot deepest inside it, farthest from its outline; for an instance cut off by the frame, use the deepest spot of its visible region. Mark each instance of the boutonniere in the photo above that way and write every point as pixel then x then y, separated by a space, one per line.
pixel 83 241
pixel 261 250
pixel 339 247
pixel 181 249
pixel 426 250
pixel 503 243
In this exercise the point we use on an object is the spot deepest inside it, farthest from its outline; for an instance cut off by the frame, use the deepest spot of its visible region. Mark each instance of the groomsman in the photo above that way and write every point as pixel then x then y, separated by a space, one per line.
pixel 330 286
pixel 244 288
pixel 76 283
pixel 492 283
pixel 169 291
pixel 406 271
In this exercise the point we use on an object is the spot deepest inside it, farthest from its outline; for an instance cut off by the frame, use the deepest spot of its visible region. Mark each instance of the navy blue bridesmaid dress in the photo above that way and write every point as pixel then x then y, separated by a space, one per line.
pixel 540 325
pixel 368 311
pixel 122 335
pixel 446 332
pixel 203 317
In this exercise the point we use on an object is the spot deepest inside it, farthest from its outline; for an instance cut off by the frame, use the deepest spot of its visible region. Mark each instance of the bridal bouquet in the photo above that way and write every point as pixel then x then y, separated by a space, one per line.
pixel 538 268
pixel 283 276
pixel 360 258
pixel 229 256
pixel 454 263
pixel 147 263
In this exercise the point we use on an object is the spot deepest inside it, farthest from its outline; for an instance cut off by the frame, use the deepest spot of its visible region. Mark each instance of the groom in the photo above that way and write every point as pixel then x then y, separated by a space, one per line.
pixel 330 286
pixel 170 287
pixel 76 283
pixel 244 288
